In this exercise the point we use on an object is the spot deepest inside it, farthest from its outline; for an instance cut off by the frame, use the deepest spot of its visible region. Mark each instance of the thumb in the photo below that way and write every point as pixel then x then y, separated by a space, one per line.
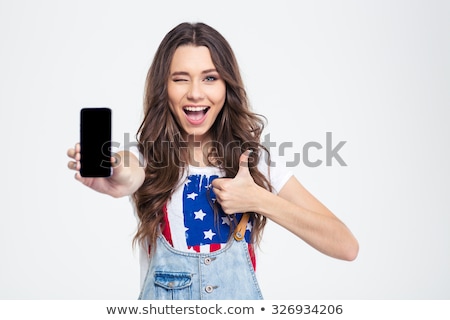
pixel 243 163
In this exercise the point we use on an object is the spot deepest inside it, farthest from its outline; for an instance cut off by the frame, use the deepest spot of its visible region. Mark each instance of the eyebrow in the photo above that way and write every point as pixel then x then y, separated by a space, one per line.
pixel 184 73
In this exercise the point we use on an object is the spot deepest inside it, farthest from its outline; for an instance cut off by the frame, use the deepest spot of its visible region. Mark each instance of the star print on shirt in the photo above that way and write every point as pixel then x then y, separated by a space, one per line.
pixel 226 220
pixel 209 234
pixel 199 214
pixel 192 195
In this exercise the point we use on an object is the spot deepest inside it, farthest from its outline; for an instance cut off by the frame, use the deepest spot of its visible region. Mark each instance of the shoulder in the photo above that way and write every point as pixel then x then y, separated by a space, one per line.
pixel 274 170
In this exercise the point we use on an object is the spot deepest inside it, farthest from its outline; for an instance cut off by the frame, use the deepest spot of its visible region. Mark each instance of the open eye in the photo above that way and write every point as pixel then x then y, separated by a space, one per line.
pixel 210 78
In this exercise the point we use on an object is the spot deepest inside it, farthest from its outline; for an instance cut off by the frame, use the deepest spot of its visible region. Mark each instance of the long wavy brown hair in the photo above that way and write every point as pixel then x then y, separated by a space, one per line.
pixel 161 140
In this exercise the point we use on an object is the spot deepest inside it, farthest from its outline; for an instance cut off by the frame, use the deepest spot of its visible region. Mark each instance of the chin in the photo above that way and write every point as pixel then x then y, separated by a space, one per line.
pixel 197 134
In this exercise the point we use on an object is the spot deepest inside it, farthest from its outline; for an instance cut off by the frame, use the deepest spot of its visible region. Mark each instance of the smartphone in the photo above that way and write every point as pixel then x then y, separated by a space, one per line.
pixel 95 142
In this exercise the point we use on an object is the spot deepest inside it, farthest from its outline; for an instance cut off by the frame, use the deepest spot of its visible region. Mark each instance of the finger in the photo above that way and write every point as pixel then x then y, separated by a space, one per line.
pixel 78 177
pixel 244 159
pixel 73 165
pixel 243 163
pixel 115 160
pixel 115 165
pixel 216 184
pixel 74 152
pixel 219 183
pixel 71 152
pixel 77 152
pixel 74 155
pixel 217 194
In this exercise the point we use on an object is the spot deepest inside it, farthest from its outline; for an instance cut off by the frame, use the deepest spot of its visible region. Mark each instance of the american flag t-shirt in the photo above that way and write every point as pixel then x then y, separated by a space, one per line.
pixel 190 215
pixel 202 227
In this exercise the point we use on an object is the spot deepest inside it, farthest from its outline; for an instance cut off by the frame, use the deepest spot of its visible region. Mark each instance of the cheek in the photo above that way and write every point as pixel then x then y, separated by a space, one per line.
pixel 173 106
pixel 173 94
pixel 170 95
pixel 219 95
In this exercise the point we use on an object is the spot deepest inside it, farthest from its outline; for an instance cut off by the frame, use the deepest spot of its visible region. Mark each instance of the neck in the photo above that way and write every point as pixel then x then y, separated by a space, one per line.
pixel 197 148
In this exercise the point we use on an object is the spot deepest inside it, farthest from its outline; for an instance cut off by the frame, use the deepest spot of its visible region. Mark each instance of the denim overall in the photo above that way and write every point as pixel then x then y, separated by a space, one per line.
pixel 220 275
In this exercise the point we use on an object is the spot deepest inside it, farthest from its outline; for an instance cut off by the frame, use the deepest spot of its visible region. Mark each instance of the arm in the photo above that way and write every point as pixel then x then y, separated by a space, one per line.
pixel 297 210
pixel 126 178
pixel 294 208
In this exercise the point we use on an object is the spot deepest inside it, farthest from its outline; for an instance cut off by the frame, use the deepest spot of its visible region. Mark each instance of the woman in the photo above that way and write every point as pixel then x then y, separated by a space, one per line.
pixel 206 191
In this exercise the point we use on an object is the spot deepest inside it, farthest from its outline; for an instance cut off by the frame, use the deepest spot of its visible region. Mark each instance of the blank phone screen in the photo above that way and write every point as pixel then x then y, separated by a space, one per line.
pixel 95 142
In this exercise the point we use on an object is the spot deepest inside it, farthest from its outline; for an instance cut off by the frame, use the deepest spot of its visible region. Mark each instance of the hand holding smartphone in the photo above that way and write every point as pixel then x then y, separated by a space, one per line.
pixel 95 142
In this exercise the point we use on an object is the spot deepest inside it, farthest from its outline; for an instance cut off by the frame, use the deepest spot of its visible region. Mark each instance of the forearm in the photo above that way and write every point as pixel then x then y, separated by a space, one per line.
pixel 128 174
pixel 321 230
pixel 293 208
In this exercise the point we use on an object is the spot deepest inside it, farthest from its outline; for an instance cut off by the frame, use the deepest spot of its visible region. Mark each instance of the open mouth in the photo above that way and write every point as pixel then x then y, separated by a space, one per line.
pixel 196 114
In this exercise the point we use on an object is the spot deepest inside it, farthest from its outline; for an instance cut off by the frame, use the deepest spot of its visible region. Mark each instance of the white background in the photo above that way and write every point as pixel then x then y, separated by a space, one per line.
pixel 374 73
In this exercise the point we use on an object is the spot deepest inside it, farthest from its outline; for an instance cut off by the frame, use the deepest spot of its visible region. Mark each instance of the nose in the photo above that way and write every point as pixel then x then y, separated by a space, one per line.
pixel 195 91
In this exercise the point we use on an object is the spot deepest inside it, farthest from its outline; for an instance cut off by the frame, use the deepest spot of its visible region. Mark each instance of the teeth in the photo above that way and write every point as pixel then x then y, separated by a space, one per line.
pixel 195 109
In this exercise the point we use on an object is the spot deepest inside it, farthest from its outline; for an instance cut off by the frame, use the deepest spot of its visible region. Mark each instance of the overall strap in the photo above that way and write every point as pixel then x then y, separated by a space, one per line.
pixel 239 233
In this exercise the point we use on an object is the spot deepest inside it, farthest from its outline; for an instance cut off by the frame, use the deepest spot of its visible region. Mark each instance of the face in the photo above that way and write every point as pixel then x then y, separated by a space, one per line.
pixel 196 91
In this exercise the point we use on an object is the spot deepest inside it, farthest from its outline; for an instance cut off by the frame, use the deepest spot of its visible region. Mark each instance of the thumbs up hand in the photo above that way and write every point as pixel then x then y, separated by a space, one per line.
pixel 238 194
